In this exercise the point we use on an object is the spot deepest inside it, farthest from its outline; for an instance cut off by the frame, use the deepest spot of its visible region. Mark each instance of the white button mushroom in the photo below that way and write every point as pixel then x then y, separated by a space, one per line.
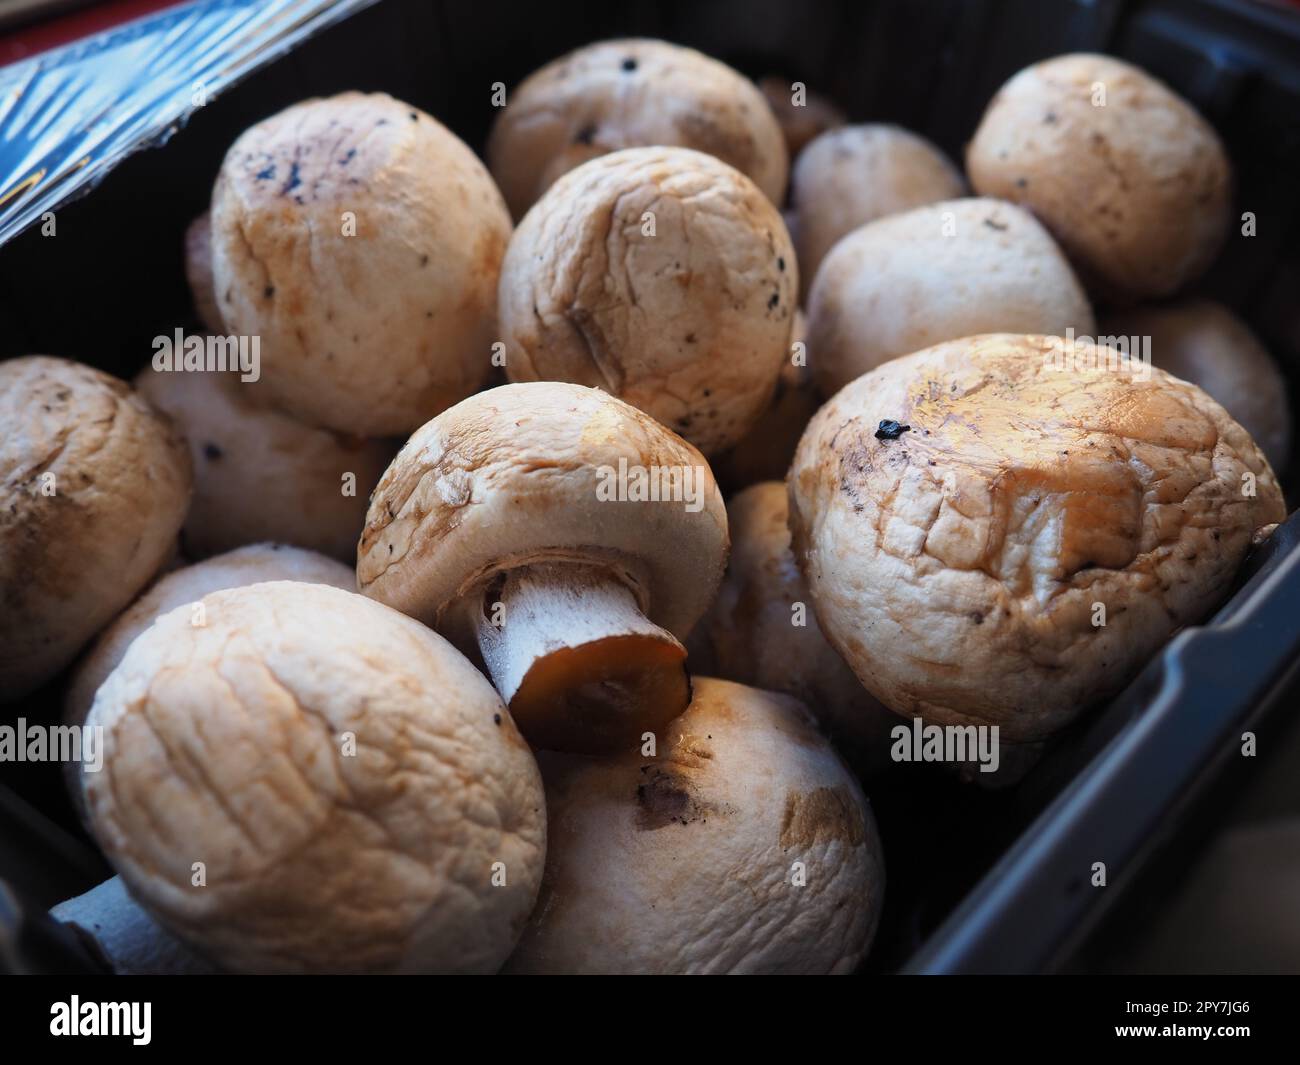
pixel 570 538
pixel 743 846
pixel 261 475
pixel 96 485
pixel 854 175
pixel 936 273
pixel 361 241
pixel 631 94
pixel 800 121
pixel 1002 530
pixel 311 782
pixel 662 276
pixel 198 273
pixel 1128 177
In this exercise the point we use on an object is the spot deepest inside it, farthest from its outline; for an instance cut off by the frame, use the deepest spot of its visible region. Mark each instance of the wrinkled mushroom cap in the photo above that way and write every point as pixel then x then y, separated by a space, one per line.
pixel 936 273
pixel 517 475
pixel 226 744
pixel 198 272
pixel 120 481
pixel 261 475
pixel 957 567
pixel 629 94
pixel 1137 190
pixel 690 323
pixel 850 176
pixel 682 863
pixel 361 241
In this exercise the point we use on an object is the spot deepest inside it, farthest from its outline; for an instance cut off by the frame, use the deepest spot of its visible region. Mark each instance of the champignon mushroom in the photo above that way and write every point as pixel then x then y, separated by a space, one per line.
pixel 96 485
pixel 198 273
pixel 630 94
pixel 802 115
pixel 854 175
pixel 662 276
pixel 762 630
pixel 311 782
pixel 1128 177
pixel 361 241
pixel 1205 343
pixel 568 537
pixel 743 845
pixel 261 475
pixel 937 273
pixel 1003 529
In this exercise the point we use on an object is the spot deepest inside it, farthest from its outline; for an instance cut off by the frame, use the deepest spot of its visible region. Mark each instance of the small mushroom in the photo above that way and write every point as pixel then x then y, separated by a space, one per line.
pixel 96 485
pixel 1128 177
pixel 1205 343
pixel 803 121
pixel 1045 525
pixel 631 94
pixel 662 276
pixel 743 846
pixel 361 241
pixel 198 272
pixel 261 475
pixel 936 273
pixel 854 175
pixel 311 782
pixel 570 539
pixel 762 630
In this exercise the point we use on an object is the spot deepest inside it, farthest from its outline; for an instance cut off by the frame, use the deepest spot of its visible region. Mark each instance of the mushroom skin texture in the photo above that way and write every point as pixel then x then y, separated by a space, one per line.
pixel 850 176
pixel 683 862
pixel 260 475
pixel 361 241
pixel 198 273
pixel 1205 343
pixel 800 123
pixel 631 93
pixel 1138 190
pixel 96 486
pixel 958 565
pixel 754 639
pixel 502 524
pixel 227 743
pixel 936 273
pixel 686 316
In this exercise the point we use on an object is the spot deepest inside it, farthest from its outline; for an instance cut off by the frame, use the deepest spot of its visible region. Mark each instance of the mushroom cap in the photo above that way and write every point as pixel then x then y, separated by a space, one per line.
pixel 198 272
pixel 936 273
pixel 682 863
pixel 261 475
pixel 71 560
pixel 803 123
pixel 853 175
pixel 1205 343
pixel 1138 190
pixel 628 94
pixel 690 323
pixel 518 474
pixel 957 567
pixel 226 744
pixel 361 241
pixel 754 638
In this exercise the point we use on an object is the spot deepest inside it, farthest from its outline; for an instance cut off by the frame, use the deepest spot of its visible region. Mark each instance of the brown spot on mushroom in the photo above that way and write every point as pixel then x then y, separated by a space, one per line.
pixel 821 816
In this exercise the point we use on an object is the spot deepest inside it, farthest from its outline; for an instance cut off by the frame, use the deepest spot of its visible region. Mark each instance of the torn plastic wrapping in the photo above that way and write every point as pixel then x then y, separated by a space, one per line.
pixel 69 116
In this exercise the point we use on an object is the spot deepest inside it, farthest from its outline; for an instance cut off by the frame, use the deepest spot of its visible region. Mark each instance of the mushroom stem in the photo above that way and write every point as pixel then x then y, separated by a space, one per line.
pixel 580 666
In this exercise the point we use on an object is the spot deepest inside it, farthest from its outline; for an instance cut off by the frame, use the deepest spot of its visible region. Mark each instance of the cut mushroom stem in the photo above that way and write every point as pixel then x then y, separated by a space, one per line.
pixel 580 666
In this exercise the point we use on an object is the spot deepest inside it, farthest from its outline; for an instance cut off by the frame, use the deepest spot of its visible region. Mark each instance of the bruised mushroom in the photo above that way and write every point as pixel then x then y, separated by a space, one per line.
pixel 198 272
pixel 937 273
pixel 631 94
pixel 743 846
pixel 568 537
pixel 96 485
pixel 361 241
pixel 1128 177
pixel 662 276
pixel 261 475
pixel 802 115
pixel 854 175
pixel 1002 530
pixel 311 782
